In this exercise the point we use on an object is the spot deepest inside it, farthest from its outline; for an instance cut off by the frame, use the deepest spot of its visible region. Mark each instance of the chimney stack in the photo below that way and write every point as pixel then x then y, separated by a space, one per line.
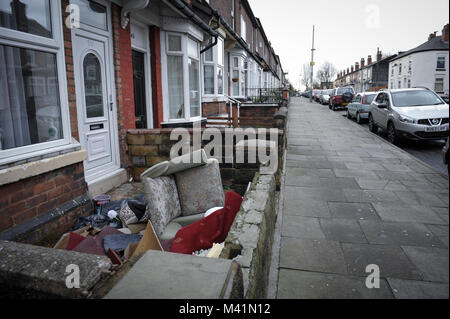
pixel 432 35
pixel 379 54
pixel 363 63
pixel 445 33
pixel 369 60
pixel 357 66
pixel 352 68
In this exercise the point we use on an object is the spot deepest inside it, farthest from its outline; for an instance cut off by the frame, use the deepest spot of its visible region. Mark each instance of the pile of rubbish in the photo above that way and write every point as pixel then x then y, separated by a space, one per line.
pixel 183 210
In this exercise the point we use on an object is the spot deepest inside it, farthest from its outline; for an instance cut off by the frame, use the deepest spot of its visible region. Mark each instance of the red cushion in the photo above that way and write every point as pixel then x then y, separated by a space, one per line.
pixel 74 240
pixel 209 230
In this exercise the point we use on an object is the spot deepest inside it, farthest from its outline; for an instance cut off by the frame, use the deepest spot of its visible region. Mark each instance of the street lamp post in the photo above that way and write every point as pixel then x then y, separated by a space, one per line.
pixel 312 65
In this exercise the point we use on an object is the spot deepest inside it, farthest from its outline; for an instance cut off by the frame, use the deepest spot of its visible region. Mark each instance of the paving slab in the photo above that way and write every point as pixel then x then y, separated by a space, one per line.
pixel 302 227
pixel 313 255
pixel 343 230
pixel 162 275
pixel 408 289
pixel 388 233
pixel 357 211
pixel 391 260
pixel 432 262
pixel 294 284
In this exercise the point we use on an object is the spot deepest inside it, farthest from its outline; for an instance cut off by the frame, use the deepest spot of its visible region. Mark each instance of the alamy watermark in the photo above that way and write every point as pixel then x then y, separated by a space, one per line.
pixel 249 142
pixel 373 279
pixel 73 19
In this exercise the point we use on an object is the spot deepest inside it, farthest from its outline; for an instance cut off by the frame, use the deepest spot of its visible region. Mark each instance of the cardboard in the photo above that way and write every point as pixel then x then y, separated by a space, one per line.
pixel 149 242
pixel 136 228
pixel 130 251
pixel 64 240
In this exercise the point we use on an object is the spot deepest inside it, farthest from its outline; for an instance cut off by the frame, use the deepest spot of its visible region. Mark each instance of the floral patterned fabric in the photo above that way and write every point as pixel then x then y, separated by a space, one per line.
pixel 127 216
pixel 200 188
pixel 163 203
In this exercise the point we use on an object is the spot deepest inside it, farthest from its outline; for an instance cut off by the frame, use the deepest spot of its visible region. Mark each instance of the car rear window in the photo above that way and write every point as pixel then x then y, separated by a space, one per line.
pixel 368 99
pixel 415 98
pixel 341 91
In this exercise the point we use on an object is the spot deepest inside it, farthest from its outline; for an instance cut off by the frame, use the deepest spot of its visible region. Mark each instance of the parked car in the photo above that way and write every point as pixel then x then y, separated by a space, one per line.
pixel 360 106
pixel 341 97
pixel 418 114
pixel 445 153
pixel 325 97
pixel 315 95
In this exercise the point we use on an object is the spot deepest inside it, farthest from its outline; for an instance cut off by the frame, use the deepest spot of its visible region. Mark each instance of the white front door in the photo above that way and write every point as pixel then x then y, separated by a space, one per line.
pixel 95 102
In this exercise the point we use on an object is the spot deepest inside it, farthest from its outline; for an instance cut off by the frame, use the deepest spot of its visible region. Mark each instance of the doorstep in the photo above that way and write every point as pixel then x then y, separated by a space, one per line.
pixel 108 182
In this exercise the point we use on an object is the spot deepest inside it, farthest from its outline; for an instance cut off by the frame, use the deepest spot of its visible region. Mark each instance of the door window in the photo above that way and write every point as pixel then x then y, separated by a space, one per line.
pixel 140 100
pixel 93 86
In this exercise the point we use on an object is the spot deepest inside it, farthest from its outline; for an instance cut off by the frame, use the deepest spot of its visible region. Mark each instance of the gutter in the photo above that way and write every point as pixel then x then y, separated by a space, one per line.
pixel 180 5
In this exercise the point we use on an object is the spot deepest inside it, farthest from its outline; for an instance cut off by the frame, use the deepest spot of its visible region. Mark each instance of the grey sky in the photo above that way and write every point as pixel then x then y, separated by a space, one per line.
pixel 344 30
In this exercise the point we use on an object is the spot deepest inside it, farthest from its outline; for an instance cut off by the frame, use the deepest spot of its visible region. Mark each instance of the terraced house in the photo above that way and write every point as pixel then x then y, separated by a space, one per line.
pixel 77 75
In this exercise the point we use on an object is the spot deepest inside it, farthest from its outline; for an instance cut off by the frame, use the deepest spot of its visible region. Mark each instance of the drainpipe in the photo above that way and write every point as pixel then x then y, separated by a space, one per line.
pixel 180 5
pixel 131 6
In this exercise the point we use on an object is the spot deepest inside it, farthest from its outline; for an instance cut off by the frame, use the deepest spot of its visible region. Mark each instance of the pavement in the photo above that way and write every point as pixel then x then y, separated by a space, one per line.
pixel 351 200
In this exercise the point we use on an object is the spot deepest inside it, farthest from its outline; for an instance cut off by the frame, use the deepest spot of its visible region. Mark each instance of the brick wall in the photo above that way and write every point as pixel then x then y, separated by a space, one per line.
pixel 224 8
pixel 214 108
pixel 123 72
pixel 27 199
pixel 257 116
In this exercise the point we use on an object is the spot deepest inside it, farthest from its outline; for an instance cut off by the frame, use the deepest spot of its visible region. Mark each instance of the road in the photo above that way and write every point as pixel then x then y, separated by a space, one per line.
pixel 426 151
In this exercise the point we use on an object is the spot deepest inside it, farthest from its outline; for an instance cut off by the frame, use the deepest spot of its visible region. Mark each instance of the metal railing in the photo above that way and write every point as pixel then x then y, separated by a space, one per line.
pixel 264 96
pixel 231 119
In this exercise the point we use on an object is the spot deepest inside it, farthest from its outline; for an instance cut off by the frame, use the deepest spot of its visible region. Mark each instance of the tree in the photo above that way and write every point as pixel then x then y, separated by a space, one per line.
pixel 326 72
pixel 305 76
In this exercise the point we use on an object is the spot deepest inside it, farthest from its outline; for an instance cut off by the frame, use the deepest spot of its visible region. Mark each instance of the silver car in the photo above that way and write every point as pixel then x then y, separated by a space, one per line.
pixel 418 114
pixel 325 97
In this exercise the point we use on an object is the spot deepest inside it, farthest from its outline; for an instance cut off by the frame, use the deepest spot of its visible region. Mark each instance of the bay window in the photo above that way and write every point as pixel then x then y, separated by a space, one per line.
pixel 183 77
pixel 33 104
pixel 238 75
pixel 213 66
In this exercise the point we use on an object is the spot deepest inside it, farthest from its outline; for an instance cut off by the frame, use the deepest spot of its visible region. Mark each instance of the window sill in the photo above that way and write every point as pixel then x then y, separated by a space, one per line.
pixel 47 164
pixel 41 154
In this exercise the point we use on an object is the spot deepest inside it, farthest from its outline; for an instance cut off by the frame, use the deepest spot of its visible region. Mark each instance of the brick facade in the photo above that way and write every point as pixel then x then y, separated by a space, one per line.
pixel 69 74
pixel 214 108
pixel 123 73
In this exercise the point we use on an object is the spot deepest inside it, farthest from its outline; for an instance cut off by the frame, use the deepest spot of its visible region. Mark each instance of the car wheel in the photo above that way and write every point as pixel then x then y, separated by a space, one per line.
pixel 392 134
pixel 372 126
pixel 358 118
pixel 348 115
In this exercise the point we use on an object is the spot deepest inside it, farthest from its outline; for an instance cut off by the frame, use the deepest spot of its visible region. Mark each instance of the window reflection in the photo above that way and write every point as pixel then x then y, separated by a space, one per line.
pixel 30 16
pixel 93 86
pixel 30 110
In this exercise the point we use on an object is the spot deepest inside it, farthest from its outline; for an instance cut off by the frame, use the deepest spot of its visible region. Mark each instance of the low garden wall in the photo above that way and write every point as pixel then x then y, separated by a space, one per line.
pixel 250 239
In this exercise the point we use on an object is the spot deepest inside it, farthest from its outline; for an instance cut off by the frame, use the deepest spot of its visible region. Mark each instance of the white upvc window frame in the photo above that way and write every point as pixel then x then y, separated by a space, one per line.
pixel 216 65
pixel 54 45
pixel 186 89
pixel 243 28
pixel 241 74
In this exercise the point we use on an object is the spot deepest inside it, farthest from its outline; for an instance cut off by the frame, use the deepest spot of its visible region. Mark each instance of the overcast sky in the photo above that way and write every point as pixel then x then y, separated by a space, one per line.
pixel 346 30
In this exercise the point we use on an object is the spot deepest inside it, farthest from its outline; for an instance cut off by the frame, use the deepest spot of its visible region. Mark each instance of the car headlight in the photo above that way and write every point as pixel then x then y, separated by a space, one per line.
pixel 406 119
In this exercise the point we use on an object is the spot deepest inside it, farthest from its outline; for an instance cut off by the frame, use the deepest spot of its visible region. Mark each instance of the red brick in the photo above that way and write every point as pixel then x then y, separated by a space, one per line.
pixel 24 216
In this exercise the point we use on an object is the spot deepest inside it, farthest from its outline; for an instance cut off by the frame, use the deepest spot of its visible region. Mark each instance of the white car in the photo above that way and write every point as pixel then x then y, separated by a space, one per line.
pixel 417 113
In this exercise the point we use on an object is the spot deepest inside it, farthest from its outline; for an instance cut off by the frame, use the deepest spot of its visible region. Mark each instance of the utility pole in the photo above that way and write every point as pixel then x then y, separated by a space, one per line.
pixel 312 64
